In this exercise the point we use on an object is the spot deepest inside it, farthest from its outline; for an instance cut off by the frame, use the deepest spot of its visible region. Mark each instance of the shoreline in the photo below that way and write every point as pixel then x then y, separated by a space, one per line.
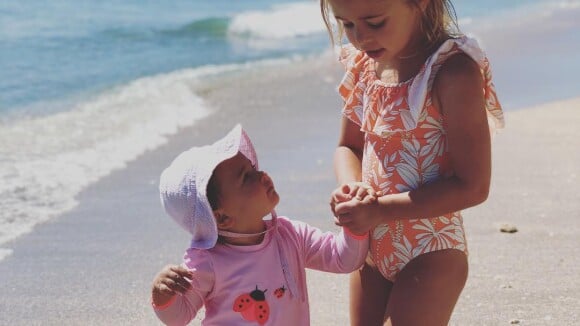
pixel 95 263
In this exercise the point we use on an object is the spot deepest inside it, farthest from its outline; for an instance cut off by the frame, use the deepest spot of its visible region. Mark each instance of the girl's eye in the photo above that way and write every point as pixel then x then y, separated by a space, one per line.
pixel 250 175
pixel 347 25
pixel 376 25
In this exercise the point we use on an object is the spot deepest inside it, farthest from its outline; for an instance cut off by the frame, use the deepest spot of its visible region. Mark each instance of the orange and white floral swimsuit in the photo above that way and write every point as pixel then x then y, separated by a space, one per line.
pixel 405 147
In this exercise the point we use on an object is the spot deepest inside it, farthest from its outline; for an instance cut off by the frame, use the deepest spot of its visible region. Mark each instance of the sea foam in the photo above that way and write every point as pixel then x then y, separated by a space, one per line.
pixel 47 160
pixel 280 22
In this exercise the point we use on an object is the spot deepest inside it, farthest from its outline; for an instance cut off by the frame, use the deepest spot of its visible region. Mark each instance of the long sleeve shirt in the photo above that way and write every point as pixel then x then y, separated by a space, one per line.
pixel 263 284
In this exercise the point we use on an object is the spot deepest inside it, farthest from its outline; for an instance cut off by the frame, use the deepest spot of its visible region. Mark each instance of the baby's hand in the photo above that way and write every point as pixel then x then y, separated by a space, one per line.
pixel 355 190
pixel 360 213
pixel 170 281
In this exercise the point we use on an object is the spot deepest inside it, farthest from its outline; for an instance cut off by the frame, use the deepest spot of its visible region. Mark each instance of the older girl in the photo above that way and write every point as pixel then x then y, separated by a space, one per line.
pixel 418 108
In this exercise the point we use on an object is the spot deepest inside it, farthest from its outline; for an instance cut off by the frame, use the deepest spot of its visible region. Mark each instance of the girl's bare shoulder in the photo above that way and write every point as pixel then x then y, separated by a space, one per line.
pixel 458 76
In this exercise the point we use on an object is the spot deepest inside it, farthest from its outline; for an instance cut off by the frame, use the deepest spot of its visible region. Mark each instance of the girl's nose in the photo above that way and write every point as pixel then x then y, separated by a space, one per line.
pixel 361 36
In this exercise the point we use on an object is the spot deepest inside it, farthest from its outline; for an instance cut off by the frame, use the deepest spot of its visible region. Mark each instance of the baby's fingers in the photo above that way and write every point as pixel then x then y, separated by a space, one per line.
pixel 178 279
pixel 344 208
pixel 164 289
pixel 182 271
pixel 343 219
pixel 180 285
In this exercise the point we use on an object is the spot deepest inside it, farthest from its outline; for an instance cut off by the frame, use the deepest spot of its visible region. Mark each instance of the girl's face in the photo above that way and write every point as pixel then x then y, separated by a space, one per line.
pixel 245 194
pixel 384 29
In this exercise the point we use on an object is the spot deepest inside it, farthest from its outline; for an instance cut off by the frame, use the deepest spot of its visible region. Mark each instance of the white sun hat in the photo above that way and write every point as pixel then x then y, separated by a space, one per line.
pixel 183 185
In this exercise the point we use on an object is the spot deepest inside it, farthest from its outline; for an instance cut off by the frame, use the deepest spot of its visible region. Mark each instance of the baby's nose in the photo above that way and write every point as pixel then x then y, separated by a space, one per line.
pixel 264 177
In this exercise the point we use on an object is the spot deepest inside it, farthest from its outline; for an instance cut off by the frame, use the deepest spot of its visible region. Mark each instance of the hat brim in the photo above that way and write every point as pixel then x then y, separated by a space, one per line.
pixel 204 228
pixel 183 185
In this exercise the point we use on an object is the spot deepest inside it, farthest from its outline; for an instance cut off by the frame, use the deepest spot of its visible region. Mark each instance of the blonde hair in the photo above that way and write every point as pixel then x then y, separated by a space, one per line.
pixel 438 20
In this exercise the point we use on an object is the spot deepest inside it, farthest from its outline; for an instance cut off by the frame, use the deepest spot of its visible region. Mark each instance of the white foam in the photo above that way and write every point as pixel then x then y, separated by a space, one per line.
pixel 281 22
pixel 5 253
pixel 47 160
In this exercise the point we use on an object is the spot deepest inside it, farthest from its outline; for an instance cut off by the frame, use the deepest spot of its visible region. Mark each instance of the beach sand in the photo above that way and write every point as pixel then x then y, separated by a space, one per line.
pixel 94 265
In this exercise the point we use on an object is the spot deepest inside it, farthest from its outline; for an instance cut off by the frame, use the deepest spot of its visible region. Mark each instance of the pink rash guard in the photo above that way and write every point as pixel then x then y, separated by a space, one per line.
pixel 263 284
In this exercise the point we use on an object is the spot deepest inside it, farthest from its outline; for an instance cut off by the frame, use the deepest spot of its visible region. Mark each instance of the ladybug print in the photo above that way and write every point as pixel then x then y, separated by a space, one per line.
pixel 253 306
pixel 280 292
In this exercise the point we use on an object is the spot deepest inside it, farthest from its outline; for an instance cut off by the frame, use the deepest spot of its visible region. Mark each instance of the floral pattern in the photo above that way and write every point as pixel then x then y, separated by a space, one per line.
pixel 406 147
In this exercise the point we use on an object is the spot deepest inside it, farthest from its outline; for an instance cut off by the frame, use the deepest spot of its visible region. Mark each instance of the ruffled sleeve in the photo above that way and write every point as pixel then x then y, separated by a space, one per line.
pixel 422 83
pixel 383 109
pixel 350 88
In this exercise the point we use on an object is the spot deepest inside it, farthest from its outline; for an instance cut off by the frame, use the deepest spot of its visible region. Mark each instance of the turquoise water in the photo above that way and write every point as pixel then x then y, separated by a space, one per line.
pixel 86 86
pixel 55 49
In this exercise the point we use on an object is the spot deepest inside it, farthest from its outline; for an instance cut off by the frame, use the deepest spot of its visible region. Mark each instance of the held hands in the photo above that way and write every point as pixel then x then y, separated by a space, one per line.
pixel 170 281
pixel 355 206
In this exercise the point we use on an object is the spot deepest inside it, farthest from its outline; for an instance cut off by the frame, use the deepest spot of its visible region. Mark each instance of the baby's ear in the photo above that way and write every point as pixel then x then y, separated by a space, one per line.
pixel 222 220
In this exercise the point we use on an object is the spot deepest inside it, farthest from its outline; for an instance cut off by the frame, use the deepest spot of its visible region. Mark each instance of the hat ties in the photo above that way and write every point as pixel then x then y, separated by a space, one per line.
pixel 248 235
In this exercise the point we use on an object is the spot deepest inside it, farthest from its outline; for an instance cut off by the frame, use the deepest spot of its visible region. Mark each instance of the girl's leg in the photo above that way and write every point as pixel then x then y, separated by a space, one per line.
pixel 369 292
pixel 427 289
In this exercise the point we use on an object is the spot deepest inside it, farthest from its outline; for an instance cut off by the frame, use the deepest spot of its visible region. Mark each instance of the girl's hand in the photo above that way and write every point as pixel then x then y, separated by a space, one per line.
pixel 170 281
pixel 359 215
pixel 348 191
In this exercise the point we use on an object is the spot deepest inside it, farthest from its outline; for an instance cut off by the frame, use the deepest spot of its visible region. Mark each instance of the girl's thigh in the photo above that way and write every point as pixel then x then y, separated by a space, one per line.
pixel 369 293
pixel 427 289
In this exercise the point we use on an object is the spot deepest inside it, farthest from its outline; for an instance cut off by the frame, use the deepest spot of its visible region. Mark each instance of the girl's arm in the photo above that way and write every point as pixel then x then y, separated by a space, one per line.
pixel 348 154
pixel 347 164
pixel 458 93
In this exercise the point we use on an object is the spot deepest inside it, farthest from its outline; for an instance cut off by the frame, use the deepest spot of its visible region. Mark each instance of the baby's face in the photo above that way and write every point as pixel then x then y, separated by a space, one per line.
pixel 245 193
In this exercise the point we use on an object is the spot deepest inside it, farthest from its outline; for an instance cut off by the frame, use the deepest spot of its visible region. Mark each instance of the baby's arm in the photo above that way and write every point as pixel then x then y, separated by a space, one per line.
pixel 178 291
pixel 169 282
pixel 331 252
pixel 361 197
pixel 352 190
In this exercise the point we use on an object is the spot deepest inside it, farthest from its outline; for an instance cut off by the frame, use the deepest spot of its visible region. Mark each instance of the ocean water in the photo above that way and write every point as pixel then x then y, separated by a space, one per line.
pixel 88 86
